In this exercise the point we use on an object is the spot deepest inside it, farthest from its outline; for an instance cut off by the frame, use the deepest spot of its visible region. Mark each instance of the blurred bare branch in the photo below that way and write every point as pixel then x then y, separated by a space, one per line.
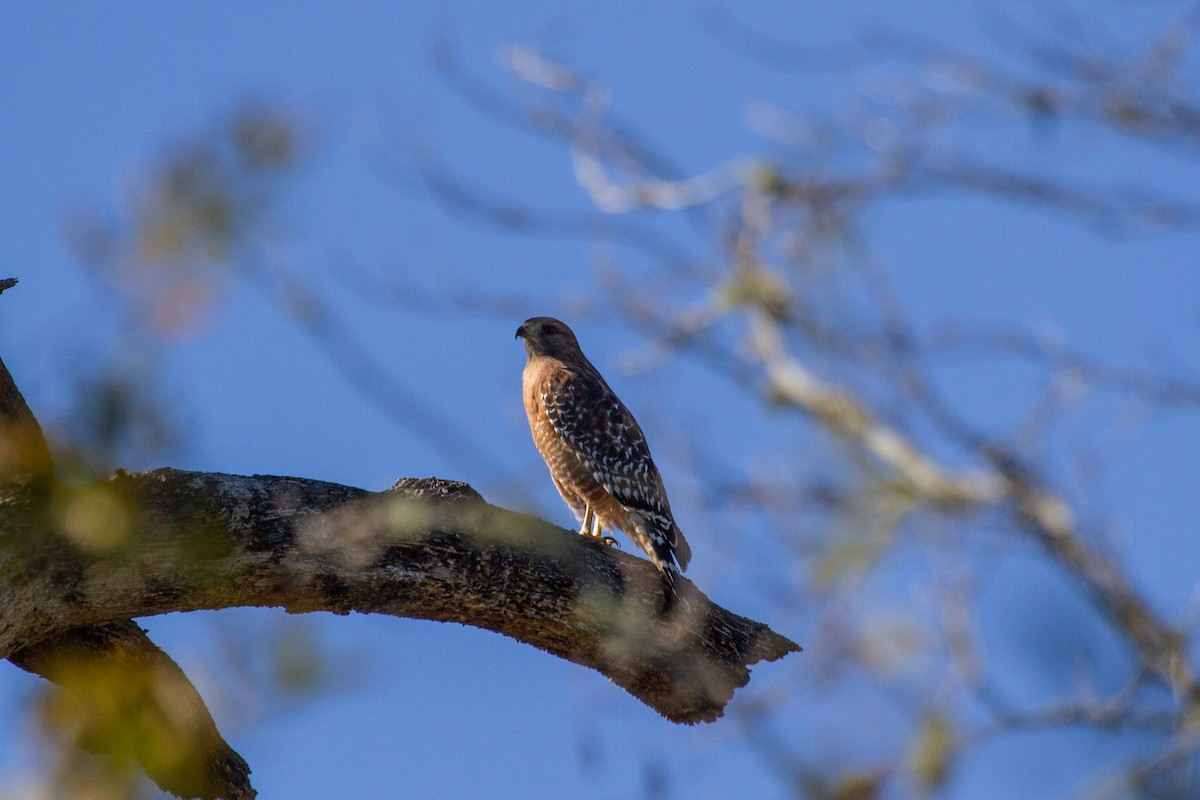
pixel 759 267
pixel 790 306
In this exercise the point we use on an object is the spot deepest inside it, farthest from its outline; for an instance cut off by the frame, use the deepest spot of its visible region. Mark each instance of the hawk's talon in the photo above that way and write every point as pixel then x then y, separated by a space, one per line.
pixel 597 535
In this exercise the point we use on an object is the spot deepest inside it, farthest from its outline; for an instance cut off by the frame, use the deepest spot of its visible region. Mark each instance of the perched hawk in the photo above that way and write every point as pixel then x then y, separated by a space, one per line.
pixel 597 454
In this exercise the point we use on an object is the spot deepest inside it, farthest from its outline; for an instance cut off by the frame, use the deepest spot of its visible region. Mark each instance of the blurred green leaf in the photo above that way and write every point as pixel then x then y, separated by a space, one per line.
pixel 298 664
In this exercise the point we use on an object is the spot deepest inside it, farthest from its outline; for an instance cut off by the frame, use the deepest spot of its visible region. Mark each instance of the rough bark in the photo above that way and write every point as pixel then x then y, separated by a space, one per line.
pixel 426 549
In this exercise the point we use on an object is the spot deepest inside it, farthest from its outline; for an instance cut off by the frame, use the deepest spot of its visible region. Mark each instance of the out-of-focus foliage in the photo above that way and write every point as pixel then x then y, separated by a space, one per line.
pixel 763 272
pixel 119 709
pixel 201 213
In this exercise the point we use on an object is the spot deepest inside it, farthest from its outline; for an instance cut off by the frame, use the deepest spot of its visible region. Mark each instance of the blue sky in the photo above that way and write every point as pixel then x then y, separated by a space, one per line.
pixel 90 94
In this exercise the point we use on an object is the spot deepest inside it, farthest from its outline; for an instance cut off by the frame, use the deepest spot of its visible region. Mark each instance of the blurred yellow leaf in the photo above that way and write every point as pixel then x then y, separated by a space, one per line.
pixel 757 288
pixel 848 557
pixel 131 712
pixel 930 758
pixel 857 786
pixel 95 517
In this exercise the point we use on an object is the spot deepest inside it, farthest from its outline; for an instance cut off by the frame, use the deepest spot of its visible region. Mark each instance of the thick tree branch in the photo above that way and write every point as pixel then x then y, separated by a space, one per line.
pixel 426 549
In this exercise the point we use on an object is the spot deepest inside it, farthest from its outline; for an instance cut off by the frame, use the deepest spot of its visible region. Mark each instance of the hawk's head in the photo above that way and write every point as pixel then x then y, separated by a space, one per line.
pixel 546 336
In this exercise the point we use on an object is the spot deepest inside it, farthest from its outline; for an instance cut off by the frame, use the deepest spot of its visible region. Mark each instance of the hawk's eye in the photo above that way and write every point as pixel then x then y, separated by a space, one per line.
pixel 549 330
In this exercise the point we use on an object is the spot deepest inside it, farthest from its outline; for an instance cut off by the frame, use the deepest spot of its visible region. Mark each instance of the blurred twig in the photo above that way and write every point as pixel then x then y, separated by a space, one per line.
pixel 852 360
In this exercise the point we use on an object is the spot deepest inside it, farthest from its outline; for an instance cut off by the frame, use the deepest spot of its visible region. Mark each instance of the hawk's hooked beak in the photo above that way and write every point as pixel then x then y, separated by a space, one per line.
pixel 522 332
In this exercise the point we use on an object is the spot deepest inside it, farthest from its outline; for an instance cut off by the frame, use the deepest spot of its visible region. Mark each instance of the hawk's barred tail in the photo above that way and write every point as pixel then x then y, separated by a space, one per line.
pixel 680 548
pixel 664 550
pixel 671 595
